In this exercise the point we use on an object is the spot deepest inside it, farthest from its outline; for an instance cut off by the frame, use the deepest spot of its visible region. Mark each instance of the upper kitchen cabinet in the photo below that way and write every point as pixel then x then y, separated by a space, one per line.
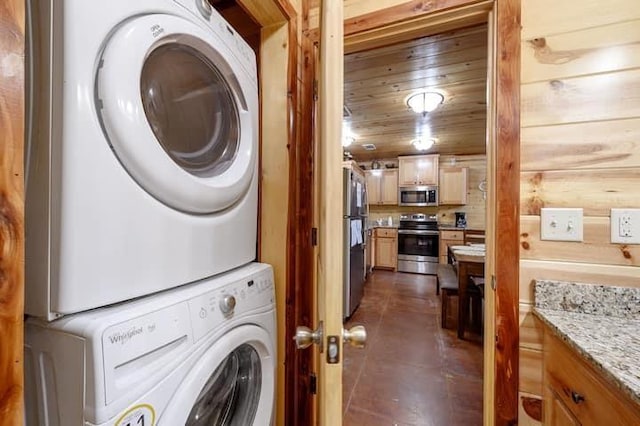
pixel 453 186
pixel 418 170
pixel 382 186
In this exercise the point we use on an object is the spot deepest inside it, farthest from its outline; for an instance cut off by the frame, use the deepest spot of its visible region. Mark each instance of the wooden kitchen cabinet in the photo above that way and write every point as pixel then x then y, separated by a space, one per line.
pixel 418 170
pixel 382 186
pixel 453 186
pixel 386 248
pixel 449 238
pixel 575 393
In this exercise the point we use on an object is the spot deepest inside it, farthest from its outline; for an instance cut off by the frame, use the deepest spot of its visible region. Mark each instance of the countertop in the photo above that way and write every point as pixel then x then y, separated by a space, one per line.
pixel 601 323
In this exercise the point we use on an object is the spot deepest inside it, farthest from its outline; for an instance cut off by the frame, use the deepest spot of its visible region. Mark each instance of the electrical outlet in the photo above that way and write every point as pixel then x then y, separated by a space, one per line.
pixel 561 224
pixel 625 226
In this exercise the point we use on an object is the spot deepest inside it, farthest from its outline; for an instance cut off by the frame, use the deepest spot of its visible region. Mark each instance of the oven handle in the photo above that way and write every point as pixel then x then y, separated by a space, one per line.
pixel 416 232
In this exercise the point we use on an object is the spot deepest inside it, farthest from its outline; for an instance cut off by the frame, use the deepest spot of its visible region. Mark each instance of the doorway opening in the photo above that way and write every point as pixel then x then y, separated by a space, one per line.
pixel 415 368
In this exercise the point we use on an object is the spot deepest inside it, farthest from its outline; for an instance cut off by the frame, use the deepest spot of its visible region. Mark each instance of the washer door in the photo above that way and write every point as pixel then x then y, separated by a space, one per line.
pixel 232 384
pixel 177 110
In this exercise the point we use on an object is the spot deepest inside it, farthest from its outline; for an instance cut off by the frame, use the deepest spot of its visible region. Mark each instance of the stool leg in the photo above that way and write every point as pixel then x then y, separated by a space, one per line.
pixel 443 308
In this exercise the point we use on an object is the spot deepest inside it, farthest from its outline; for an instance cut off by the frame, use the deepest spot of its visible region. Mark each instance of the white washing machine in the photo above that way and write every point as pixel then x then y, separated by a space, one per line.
pixel 203 354
pixel 141 170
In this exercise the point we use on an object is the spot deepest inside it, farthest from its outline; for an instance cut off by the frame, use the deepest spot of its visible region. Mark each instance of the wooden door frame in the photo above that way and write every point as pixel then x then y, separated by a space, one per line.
pixel 12 95
pixel 286 196
pixel 411 18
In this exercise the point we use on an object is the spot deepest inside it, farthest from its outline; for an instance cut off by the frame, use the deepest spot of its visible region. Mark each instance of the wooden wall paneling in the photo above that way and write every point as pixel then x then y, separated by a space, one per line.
pixel 12 51
pixel 601 49
pixel 591 145
pixel 507 193
pixel 595 97
pixel 615 275
pixel 596 247
pixel 274 185
pixel 266 13
pixel 530 328
pixel 300 292
pixel 531 372
pixel 595 191
pixel 545 17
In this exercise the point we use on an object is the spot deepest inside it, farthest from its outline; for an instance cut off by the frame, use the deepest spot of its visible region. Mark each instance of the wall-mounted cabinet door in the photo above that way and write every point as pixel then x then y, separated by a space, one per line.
pixel 453 186
pixel 389 187
pixel 418 170
pixel 373 186
pixel 382 186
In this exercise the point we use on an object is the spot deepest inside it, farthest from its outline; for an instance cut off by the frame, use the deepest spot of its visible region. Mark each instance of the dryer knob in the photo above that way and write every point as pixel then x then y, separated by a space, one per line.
pixel 204 7
pixel 227 304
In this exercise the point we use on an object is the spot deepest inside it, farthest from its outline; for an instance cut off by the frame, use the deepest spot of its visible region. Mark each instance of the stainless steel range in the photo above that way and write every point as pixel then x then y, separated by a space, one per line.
pixel 418 242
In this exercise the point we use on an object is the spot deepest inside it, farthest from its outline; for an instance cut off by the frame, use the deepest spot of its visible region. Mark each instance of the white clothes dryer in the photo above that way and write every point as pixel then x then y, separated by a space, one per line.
pixel 203 354
pixel 141 170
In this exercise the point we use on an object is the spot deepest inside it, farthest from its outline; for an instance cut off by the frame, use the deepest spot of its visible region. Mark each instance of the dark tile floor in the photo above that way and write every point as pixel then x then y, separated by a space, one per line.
pixel 412 371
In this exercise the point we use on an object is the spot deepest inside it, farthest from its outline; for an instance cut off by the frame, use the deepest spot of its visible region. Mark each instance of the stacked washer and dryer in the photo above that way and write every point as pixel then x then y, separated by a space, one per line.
pixel 145 303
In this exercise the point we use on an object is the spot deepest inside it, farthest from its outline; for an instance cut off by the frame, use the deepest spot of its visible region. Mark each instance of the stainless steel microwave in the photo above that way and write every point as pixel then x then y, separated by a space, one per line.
pixel 418 196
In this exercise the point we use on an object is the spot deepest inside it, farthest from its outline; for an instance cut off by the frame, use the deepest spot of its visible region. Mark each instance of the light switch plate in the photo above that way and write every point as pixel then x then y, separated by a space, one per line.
pixel 561 224
pixel 625 226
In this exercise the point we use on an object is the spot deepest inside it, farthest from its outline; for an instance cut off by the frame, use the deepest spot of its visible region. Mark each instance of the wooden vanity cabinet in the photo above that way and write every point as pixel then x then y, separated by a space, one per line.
pixel 418 170
pixel 575 393
pixel 386 248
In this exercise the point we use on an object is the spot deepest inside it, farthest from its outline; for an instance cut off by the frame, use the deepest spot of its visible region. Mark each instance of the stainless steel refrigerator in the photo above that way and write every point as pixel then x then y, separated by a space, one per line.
pixel 354 223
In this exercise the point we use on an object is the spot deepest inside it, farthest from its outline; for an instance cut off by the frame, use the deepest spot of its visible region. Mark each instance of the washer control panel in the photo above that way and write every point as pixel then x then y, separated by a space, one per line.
pixel 211 310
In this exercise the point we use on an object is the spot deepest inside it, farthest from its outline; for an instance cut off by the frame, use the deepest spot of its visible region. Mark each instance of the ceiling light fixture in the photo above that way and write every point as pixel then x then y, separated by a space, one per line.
pixel 423 102
pixel 347 140
pixel 423 144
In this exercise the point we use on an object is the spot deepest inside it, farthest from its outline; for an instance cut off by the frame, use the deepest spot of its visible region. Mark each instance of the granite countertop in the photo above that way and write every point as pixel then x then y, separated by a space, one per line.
pixel 602 323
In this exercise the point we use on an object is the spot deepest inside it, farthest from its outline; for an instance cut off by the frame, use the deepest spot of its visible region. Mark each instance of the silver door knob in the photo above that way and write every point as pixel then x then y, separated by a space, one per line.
pixel 355 336
pixel 227 304
pixel 306 337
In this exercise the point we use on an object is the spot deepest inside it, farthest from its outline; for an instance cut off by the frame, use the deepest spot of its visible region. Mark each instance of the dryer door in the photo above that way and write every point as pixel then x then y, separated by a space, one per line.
pixel 179 112
pixel 232 384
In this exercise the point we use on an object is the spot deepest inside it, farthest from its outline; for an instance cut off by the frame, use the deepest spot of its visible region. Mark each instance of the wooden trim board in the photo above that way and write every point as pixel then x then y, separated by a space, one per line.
pixel 12 89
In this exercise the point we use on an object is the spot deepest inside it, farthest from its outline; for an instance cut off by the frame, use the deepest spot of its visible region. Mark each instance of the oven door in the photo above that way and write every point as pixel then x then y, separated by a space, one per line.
pixel 418 251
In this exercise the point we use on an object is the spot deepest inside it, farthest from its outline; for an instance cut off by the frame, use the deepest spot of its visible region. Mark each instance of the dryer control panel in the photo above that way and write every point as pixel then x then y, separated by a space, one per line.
pixel 217 307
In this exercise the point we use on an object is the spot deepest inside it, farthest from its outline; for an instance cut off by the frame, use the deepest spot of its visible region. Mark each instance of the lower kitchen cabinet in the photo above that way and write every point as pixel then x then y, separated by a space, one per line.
pixel 449 238
pixel 386 248
pixel 575 393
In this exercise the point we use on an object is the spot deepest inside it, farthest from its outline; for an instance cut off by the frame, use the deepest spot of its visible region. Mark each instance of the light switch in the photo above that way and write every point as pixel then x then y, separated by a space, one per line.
pixel 561 224
pixel 625 226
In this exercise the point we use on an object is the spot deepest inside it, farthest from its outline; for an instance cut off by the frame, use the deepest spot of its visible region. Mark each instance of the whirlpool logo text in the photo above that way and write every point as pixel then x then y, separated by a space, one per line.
pixel 123 337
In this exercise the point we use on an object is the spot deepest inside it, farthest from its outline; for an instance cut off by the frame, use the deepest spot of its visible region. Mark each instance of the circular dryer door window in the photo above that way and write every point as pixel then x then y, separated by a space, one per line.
pixel 179 111
pixel 191 109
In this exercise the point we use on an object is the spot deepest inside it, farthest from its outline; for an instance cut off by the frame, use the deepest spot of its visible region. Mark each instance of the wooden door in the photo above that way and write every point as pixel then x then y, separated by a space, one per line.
pixel 330 260
pixel 12 50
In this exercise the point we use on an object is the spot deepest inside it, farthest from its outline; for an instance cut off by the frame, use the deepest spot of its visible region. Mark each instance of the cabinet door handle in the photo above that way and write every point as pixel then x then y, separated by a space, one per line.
pixel 576 397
